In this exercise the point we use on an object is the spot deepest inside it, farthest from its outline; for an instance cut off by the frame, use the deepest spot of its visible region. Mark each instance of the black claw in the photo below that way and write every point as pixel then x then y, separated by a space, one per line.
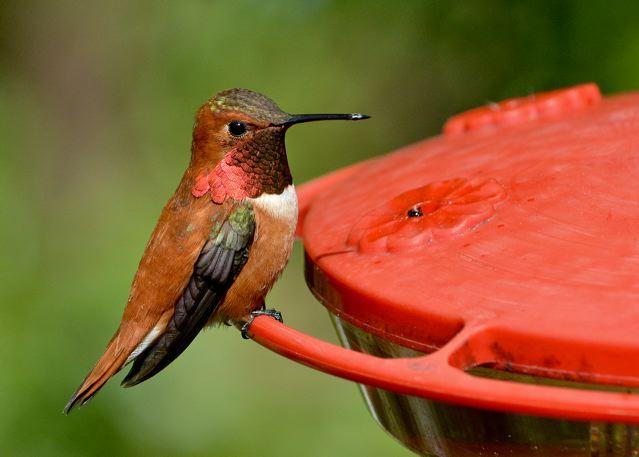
pixel 275 314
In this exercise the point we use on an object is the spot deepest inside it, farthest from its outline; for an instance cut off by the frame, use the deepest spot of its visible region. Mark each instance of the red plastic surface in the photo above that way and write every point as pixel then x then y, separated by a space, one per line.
pixel 517 111
pixel 434 377
pixel 524 256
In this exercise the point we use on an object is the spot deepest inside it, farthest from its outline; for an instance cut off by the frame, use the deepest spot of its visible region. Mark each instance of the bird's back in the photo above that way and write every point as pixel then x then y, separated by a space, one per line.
pixel 162 275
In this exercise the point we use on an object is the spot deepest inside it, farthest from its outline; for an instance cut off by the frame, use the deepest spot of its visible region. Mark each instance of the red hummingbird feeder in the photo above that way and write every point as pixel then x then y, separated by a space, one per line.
pixel 485 283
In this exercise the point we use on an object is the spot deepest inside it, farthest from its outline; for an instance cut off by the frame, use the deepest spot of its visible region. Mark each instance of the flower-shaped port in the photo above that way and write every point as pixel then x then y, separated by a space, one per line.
pixel 428 214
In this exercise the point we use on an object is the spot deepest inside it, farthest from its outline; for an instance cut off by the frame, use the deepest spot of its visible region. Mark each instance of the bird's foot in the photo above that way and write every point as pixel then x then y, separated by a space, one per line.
pixel 260 312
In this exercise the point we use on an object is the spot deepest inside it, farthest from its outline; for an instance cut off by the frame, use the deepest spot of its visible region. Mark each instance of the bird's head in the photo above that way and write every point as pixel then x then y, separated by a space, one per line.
pixel 240 133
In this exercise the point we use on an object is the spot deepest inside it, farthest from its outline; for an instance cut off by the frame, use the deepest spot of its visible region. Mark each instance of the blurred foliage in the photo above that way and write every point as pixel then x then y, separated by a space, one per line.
pixel 96 105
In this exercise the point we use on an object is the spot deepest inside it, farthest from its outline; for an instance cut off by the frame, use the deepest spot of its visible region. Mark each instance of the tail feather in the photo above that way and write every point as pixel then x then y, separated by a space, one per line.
pixel 109 364
pixel 173 341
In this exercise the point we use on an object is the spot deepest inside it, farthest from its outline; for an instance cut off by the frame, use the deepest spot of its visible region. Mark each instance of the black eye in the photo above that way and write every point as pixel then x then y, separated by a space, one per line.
pixel 237 128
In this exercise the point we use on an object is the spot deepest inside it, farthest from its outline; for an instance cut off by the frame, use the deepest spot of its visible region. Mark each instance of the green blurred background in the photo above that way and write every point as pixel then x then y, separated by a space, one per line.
pixel 96 107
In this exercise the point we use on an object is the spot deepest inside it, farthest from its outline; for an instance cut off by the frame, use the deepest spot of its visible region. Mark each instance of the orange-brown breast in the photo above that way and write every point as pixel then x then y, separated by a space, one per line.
pixel 275 219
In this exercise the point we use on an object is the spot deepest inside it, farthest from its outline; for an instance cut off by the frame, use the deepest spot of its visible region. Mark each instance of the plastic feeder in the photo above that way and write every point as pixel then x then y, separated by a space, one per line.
pixel 485 283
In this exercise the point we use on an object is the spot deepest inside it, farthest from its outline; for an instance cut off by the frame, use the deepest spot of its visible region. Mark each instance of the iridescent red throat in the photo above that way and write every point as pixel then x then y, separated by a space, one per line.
pixel 252 168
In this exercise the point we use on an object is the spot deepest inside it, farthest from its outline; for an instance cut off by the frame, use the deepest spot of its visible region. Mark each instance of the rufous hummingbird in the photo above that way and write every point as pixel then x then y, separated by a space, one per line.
pixel 221 241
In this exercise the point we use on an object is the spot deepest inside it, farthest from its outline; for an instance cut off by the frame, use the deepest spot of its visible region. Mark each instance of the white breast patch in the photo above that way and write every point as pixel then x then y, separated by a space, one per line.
pixel 281 206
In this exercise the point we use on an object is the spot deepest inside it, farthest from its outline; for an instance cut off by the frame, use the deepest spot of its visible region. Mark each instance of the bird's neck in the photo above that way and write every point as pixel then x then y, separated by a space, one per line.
pixel 243 172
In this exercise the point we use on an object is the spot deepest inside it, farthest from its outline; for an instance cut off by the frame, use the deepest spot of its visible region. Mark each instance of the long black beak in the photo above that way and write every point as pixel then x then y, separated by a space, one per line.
pixel 299 118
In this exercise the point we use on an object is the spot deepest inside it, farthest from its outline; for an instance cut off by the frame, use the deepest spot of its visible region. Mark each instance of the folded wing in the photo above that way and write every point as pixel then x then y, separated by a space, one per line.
pixel 219 263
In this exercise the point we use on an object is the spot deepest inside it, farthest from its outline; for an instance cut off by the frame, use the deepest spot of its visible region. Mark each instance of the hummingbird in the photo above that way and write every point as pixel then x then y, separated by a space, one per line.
pixel 221 241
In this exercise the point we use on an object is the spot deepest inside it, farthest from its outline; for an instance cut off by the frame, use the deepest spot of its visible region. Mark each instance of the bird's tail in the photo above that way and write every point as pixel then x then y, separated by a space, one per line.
pixel 109 364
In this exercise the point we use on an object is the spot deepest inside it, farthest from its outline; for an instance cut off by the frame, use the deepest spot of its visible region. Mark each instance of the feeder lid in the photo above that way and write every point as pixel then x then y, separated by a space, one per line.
pixel 518 228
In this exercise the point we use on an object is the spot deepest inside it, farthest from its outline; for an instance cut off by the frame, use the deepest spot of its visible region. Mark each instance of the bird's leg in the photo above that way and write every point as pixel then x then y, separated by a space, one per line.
pixel 262 311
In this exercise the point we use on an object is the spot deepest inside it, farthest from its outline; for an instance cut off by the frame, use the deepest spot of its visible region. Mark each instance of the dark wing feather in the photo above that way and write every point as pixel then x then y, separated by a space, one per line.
pixel 217 266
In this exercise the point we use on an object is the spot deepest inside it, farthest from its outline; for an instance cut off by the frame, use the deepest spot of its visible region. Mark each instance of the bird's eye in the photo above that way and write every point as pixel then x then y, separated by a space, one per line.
pixel 237 128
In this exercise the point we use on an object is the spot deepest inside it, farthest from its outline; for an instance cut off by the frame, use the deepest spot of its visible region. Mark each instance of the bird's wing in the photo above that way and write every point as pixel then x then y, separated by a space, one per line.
pixel 194 254
pixel 217 266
